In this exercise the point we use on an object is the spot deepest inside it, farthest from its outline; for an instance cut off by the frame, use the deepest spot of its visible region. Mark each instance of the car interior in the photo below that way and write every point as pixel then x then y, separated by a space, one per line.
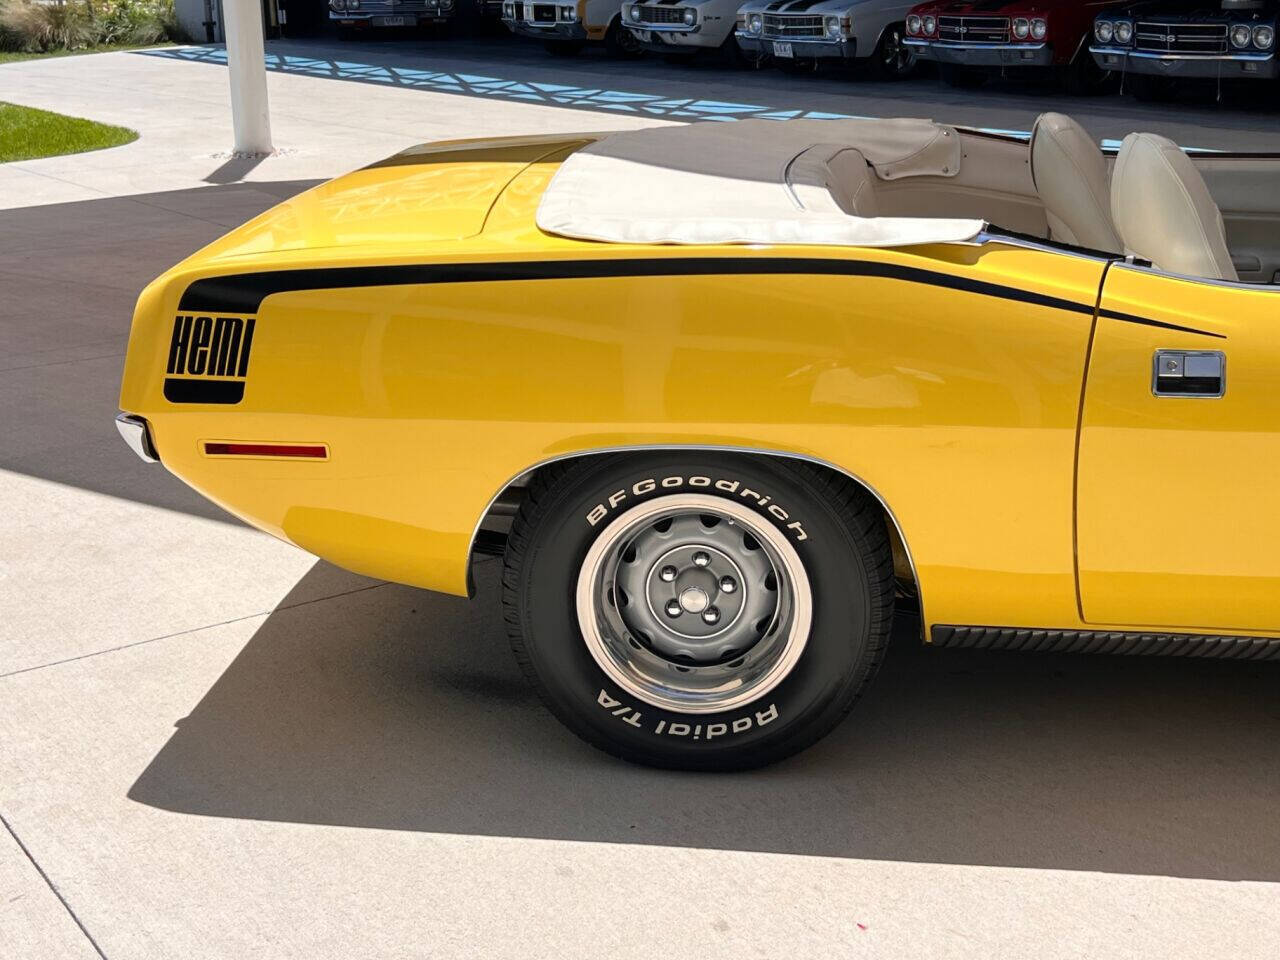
pixel 886 182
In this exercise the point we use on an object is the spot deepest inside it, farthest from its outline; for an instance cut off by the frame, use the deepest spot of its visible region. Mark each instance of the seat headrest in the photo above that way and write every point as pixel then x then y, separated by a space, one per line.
pixel 1163 211
pixel 1070 175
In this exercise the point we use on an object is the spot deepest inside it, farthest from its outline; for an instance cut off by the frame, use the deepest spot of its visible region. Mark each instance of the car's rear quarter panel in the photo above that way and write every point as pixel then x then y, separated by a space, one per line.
pixel 958 408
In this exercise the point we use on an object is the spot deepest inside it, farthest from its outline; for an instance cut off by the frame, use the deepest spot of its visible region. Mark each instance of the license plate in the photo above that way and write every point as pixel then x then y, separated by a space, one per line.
pixel 644 36
pixel 782 50
pixel 389 21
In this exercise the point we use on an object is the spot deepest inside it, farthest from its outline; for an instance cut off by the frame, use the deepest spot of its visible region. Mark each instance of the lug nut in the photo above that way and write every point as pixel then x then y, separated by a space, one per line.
pixel 673 608
pixel 728 584
pixel 701 559
pixel 711 615
pixel 667 573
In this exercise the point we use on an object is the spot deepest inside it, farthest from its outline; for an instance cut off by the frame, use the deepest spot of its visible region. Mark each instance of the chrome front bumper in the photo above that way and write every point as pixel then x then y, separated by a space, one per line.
pixel 802 48
pixel 983 54
pixel 1213 66
pixel 671 37
pixel 545 30
pixel 137 434
pixel 410 17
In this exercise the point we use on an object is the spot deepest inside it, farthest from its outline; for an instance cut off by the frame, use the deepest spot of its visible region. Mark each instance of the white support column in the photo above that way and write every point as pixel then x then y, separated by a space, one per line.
pixel 242 22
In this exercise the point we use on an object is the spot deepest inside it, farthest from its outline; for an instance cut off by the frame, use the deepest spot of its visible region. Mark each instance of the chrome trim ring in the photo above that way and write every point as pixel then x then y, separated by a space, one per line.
pixel 694 603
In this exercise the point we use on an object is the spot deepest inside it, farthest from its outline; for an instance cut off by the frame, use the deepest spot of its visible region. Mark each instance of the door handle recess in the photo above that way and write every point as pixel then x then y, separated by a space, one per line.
pixel 1189 373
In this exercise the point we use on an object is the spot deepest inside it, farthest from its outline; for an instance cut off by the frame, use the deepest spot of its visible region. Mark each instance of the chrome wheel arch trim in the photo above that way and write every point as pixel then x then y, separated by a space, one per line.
pixel 700 448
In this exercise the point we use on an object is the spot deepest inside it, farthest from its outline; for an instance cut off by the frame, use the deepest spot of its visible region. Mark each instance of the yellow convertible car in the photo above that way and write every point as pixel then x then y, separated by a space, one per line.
pixel 722 394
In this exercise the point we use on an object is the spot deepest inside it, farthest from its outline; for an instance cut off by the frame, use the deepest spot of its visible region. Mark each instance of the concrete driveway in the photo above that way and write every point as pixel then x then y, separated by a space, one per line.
pixel 213 746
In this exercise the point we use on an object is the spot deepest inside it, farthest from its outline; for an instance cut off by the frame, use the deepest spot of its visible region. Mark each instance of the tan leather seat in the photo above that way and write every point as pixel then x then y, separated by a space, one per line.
pixel 1070 175
pixel 1163 211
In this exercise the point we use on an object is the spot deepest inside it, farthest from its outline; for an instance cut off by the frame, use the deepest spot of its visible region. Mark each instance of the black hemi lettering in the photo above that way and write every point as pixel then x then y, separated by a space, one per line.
pixel 208 346
pixel 200 345
pixel 179 344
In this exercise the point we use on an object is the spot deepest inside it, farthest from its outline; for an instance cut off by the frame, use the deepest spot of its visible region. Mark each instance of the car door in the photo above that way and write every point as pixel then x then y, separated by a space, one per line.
pixel 1178 475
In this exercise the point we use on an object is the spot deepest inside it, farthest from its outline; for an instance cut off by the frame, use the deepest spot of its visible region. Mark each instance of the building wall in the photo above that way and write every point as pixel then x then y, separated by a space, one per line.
pixel 191 14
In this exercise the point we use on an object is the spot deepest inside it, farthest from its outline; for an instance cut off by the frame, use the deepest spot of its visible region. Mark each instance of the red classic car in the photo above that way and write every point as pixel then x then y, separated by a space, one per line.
pixel 972 39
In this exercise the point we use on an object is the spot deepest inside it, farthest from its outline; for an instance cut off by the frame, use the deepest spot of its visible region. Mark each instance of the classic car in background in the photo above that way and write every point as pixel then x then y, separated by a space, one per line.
pixel 566 28
pixel 800 33
pixel 717 391
pixel 684 27
pixel 1156 44
pixel 970 40
pixel 357 15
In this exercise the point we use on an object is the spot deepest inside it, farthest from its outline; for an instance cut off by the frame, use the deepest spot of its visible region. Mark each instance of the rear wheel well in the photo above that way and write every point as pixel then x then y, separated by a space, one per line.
pixel 491 533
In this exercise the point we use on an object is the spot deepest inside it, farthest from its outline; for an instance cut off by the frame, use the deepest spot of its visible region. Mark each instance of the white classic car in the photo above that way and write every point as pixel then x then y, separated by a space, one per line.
pixel 683 27
pixel 798 33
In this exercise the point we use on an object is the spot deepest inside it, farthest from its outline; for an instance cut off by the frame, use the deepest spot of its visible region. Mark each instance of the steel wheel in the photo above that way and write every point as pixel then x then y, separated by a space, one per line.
pixel 894 59
pixel 691 603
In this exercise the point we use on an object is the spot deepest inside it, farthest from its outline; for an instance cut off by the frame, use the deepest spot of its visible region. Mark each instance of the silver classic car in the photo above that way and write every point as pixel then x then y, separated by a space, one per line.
pixel 353 15
pixel 687 27
pixel 801 32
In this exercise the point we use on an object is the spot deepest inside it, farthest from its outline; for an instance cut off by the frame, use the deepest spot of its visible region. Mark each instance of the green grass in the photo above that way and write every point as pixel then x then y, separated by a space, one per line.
pixel 9 56
pixel 26 134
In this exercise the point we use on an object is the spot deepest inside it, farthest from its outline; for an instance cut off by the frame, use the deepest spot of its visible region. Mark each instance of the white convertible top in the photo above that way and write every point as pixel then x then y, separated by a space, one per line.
pixel 753 181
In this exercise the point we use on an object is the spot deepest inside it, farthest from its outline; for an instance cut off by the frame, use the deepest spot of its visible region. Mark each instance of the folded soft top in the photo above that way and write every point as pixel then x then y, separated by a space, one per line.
pixel 753 181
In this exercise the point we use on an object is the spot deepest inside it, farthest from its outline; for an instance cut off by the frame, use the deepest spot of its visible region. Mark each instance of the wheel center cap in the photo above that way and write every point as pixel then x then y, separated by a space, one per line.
pixel 694 600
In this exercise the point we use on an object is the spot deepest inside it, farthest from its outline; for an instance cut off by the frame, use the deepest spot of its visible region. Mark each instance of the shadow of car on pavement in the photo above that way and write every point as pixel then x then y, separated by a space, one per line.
pixel 398 709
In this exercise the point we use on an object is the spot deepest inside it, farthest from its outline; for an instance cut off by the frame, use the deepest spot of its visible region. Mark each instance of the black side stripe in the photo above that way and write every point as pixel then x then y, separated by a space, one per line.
pixel 244 292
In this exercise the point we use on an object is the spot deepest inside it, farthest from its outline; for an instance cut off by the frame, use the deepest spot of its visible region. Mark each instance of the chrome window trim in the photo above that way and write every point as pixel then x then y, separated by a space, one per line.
pixel 1271 288
pixel 701 448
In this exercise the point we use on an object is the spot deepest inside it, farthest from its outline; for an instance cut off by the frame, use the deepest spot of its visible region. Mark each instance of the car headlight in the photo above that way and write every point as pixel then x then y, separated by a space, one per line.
pixel 690 16
pixel 913 25
pixel 832 25
pixel 1021 28
pixel 1264 37
pixel 569 14
pixel 755 23
pixel 1241 35
pixel 337 4
pixel 509 10
pixel 1039 29
pixel 930 25
pixel 1104 31
pixel 1123 31
pixel 634 12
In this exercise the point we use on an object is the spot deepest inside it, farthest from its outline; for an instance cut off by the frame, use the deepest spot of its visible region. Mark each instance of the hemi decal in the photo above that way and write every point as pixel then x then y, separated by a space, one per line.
pixel 244 292
pixel 203 347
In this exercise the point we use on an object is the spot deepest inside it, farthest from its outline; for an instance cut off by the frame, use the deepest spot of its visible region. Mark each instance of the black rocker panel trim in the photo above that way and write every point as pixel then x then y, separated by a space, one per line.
pixel 243 293
pixel 1221 646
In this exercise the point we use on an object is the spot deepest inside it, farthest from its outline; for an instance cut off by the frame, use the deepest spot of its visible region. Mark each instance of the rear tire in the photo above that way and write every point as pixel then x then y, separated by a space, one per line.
pixel 698 610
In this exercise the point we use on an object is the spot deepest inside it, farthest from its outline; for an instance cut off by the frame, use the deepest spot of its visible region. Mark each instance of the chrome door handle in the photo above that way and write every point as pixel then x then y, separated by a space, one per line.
pixel 1189 373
